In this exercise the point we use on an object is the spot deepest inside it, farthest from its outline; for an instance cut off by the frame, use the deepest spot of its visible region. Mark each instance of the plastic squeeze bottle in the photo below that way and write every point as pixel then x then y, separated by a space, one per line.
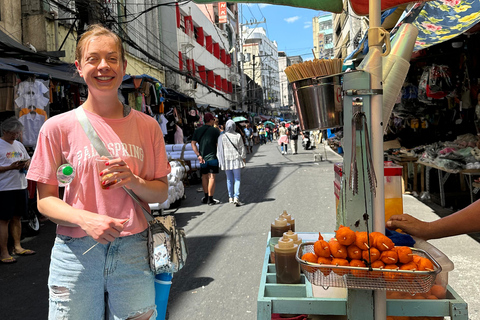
pixel 279 226
pixel 286 266
pixel 289 218
pixel 65 174
pixel 294 236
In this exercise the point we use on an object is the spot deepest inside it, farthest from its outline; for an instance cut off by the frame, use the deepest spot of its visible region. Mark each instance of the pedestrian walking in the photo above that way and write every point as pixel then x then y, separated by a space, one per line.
pixel 207 136
pixel 113 279
pixel 294 133
pixel 14 160
pixel 261 133
pixel 248 138
pixel 274 133
pixel 283 138
pixel 231 156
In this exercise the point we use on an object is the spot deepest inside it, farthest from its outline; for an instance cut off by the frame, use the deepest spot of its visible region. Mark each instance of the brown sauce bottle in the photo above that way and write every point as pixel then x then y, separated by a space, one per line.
pixel 289 219
pixel 278 227
pixel 287 267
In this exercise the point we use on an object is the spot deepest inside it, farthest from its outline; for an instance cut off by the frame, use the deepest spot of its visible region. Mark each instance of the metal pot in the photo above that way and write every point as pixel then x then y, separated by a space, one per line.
pixel 319 102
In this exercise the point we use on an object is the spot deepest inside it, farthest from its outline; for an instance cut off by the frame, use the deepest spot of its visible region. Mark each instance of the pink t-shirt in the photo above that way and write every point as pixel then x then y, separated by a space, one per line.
pixel 136 138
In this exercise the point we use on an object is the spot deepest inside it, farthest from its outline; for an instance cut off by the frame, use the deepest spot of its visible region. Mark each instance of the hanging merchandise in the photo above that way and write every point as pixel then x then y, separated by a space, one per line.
pixel 422 87
pixel 466 101
pixel 439 84
pixel 31 93
pixel 32 120
pixel 7 91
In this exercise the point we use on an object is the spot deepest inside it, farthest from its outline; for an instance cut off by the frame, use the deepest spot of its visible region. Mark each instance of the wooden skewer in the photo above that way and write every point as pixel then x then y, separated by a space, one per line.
pixel 99 242
pixel 393 259
pixel 366 245
pixel 383 243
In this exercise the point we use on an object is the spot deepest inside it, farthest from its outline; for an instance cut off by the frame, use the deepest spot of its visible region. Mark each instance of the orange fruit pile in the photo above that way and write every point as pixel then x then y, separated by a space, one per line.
pixel 360 249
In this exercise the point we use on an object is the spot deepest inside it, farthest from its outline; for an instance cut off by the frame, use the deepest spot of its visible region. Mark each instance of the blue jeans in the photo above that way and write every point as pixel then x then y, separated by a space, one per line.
pixel 233 182
pixel 263 139
pixel 111 281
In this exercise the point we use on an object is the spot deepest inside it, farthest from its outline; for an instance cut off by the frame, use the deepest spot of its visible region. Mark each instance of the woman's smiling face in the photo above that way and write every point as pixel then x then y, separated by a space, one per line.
pixel 101 65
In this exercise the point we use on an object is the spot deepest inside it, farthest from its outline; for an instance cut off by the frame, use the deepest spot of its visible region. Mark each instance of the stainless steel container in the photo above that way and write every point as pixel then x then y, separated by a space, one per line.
pixel 319 102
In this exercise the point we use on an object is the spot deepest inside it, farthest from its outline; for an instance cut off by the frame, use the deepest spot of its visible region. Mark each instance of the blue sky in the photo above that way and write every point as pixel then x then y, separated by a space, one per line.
pixel 291 27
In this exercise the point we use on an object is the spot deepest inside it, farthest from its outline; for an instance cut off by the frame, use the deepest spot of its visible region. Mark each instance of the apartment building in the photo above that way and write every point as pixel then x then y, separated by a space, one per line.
pixel 348 31
pixel 201 41
pixel 261 65
pixel 322 27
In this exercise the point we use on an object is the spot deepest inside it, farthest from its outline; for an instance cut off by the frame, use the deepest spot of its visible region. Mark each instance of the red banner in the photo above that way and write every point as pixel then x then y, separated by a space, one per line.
pixel 222 12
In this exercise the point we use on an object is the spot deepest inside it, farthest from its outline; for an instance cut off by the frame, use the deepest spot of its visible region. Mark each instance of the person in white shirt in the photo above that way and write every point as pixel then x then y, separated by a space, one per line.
pixel 14 159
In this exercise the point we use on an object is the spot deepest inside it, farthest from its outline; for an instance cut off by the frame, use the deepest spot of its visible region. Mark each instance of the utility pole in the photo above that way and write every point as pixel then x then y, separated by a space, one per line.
pixel 253 78
pixel 242 63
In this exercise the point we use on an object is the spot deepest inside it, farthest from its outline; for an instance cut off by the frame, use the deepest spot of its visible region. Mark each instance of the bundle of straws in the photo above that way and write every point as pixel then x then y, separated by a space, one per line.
pixel 313 69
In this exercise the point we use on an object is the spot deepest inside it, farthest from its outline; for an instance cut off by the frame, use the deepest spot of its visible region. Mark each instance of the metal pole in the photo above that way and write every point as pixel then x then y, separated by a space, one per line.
pixel 377 146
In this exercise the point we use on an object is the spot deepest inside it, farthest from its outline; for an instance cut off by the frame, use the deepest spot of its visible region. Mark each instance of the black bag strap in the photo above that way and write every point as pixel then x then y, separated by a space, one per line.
pixel 103 151
pixel 225 134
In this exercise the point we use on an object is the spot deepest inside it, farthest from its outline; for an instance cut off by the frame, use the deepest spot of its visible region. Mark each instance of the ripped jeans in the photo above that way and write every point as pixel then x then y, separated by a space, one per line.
pixel 111 281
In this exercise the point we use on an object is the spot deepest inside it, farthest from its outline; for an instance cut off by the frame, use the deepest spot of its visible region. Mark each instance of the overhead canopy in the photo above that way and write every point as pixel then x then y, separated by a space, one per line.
pixel 436 22
pixel 360 7
pixel 43 71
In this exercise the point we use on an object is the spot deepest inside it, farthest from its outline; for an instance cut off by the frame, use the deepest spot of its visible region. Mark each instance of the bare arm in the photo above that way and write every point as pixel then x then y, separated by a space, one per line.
pixel 195 149
pixel 464 221
pixel 101 228
pixel 14 166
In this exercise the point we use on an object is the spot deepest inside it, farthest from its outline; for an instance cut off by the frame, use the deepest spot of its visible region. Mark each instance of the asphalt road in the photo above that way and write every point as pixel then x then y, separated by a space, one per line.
pixel 227 243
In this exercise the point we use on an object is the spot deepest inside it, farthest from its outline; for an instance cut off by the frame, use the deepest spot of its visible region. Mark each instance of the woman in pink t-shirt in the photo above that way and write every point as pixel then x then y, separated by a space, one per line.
pixel 114 275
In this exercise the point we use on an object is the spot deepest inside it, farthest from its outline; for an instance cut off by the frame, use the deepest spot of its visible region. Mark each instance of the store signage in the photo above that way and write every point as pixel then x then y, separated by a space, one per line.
pixel 321 45
pixel 222 12
pixel 338 98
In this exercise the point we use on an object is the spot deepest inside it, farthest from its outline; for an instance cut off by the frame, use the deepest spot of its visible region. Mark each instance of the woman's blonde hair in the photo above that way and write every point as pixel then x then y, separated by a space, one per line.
pixel 96 30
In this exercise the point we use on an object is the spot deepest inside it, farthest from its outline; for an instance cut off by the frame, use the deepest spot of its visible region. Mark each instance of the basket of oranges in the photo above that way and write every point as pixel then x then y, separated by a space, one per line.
pixel 369 261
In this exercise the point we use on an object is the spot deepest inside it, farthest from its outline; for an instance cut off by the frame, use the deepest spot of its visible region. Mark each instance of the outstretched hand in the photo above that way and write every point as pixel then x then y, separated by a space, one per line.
pixel 409 224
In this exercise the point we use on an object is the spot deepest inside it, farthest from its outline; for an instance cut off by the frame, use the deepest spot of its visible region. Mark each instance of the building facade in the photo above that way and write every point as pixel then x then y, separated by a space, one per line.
pixel 322 27
pixel 52 28
pixel 348 30
pixel 261 65
pixel 203 50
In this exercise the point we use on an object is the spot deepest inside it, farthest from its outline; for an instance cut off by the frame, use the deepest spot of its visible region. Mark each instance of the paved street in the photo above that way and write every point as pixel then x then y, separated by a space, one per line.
pixel 227 243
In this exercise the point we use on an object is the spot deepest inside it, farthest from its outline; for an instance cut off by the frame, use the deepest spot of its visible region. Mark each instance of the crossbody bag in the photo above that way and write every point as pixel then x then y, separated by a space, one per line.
pixel 167 250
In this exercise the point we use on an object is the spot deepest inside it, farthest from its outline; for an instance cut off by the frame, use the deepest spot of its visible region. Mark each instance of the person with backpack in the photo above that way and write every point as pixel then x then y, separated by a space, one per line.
pixel 294 132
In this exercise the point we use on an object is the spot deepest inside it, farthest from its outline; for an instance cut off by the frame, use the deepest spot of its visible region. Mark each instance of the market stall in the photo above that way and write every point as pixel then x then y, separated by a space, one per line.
pixel 370 292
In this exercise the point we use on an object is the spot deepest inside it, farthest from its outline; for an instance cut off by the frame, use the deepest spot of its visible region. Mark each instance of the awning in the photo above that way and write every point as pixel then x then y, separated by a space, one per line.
pixel 44 71
pixel 10 46
pixel 128 80
pixel 7 67
pixel 436 22
pixel 360 7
